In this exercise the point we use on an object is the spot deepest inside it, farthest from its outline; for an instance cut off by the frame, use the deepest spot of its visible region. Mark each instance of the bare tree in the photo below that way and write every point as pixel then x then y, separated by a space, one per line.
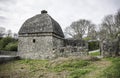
pixel 117 21
pixel 69 32
pixel 2 31
pixel 108 27
pixel 78 28
pixel 92 33
pixel 102 33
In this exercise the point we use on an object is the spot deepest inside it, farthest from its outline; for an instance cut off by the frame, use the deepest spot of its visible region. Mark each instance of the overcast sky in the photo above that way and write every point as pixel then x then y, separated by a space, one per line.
pixel 13 13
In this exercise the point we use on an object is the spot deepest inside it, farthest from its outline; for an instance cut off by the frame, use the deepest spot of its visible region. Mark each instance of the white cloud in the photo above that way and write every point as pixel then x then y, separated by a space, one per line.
pixel 63 11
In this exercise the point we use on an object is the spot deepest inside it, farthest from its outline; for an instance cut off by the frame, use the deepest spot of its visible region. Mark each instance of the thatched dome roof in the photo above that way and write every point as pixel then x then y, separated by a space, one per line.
pixel 41 23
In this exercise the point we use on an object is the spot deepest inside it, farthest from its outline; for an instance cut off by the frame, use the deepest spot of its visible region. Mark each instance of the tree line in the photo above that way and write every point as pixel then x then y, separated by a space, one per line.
pixel 85 29
pixel 7 33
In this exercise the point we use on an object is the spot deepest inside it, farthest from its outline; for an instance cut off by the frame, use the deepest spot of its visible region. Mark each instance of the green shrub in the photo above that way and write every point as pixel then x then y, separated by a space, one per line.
pixel 5 41
pixel 0 38
pixel 11 46
pixel 93 45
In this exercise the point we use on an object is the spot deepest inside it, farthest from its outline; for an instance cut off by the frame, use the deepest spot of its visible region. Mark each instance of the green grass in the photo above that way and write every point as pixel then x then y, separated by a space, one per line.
pixel 70 65
pixel 22 68
pixel 40 68
pixel 34 64
pixel 76 68
pixel 114 70
pixel 59 68
pixel 95 54
pixel 78 73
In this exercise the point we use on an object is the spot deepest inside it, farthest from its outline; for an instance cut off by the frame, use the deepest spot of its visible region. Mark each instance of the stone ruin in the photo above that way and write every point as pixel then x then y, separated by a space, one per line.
pixel 72 48
pixel 41 37
pixel 110 48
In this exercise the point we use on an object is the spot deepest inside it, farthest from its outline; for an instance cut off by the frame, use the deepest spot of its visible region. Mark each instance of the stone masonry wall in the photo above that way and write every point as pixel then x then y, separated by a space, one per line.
pixel 58 42
pixel 70 51
pixel 35 47
pixel 12 53
pixel 48 47
pixel 110 48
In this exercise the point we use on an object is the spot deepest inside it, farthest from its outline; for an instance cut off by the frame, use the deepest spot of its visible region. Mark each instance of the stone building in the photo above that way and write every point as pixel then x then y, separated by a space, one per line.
pixel 38 37
pixel 41 37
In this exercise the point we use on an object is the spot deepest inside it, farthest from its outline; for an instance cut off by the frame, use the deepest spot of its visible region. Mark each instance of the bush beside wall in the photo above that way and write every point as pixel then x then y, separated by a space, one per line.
pixel 8 44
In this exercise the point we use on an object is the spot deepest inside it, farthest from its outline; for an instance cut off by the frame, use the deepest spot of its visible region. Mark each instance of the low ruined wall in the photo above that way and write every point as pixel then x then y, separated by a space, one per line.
pixel 6 58
pixel 70 51
pixel 110 48
pixel 11 53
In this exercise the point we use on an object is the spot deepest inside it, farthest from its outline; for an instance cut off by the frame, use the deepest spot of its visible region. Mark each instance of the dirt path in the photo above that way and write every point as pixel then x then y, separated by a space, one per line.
pixel 100 66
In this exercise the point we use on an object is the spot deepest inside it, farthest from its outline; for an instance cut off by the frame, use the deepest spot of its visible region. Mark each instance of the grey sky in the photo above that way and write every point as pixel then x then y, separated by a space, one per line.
pixel 13 13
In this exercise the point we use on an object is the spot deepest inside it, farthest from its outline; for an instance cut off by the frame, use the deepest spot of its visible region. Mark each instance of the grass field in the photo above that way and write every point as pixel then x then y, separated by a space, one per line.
pixel 72 67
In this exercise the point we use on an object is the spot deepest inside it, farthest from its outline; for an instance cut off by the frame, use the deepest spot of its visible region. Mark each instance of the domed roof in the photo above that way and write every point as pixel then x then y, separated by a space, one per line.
pixel 41 23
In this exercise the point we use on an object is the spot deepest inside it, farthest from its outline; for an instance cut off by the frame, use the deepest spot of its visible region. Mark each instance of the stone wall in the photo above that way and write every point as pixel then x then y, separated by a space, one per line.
pixel 110 48
pixel 72 42
pixel 6 56
pixel 11 53
pixel 71 48
pixel 35 47
pixel 57 42
pixel 38 47
pixel 70 51
pixel 49 46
